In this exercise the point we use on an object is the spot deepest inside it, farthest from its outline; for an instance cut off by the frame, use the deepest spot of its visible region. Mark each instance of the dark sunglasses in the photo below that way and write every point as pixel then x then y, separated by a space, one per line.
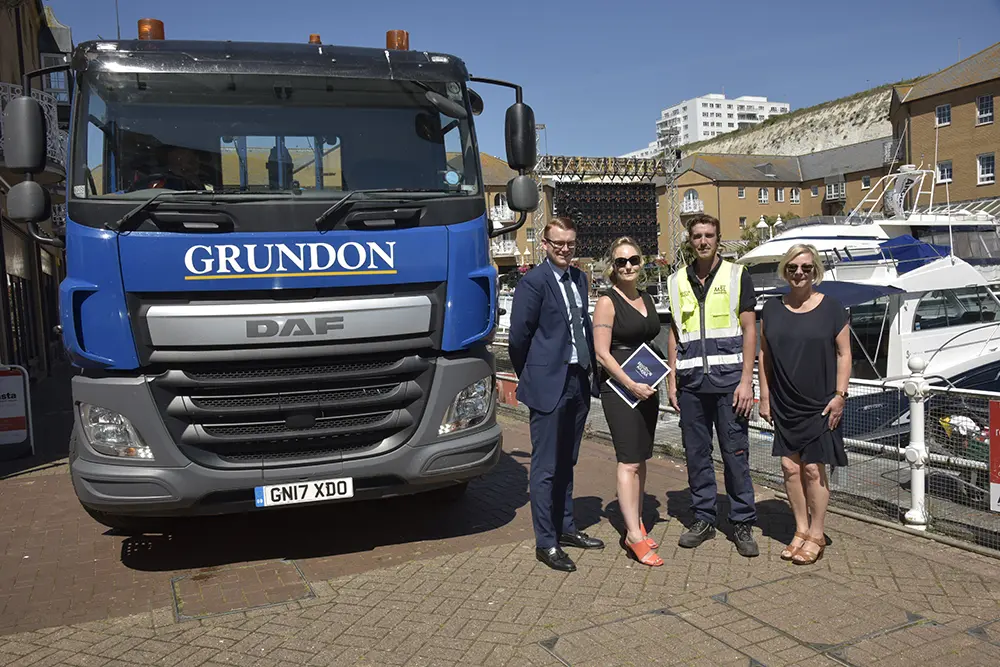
pixel 792 268
pixel 620 262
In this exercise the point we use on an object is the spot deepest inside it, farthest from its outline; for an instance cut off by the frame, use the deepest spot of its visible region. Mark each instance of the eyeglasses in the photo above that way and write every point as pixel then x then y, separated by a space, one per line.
pixel 620 262
pixel 792 268
pixel 569 245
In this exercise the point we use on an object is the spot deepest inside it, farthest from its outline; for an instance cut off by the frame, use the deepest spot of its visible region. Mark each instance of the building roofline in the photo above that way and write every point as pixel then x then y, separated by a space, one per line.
pixel 943 71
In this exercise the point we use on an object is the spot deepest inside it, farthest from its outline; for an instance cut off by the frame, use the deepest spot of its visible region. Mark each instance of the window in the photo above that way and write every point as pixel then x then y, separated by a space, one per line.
pixel 815 190
pixel 741 192
pixel 56 83
pixel 952 308
pixel 691 195
pixel 866 182
pixel 743 222
pixel 762 195
pixel 984 104
pixel 944 171
pixel 796 195
pixel 779 195
pixel 943 113
pixel 836 190
pixel 987 169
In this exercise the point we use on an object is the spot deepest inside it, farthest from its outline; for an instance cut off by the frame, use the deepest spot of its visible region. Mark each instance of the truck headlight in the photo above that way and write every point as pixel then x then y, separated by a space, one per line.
pixel 471 406
pixel 112 434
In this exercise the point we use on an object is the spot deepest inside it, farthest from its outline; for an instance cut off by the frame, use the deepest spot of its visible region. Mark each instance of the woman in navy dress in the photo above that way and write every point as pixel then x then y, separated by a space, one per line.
pixel 625 318
pixel 805 369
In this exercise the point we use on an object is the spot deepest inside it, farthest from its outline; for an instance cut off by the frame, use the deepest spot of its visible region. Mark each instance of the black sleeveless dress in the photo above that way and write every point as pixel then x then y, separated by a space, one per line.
pixel 803 352
pixel 631 429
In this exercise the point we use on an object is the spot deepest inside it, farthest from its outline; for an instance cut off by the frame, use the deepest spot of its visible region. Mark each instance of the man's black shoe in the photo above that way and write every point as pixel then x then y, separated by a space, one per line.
pixel 580 540
pixel 555 558
pixel 743 537
pixel 696 534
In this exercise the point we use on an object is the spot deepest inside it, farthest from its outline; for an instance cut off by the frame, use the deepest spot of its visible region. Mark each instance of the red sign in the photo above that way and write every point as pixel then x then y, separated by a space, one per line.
pixel 995 456
pixel 13 407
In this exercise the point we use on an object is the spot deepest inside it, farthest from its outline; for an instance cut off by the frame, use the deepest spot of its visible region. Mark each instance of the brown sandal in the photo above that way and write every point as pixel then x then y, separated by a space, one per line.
pixel 641 552
pixel 806 558
pixel 789 552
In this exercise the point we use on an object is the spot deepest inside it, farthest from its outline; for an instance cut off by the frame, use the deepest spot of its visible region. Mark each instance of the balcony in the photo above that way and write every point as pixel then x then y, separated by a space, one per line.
pixel 692 206
pixel 505 248
pixel 501 214
pixel 56 140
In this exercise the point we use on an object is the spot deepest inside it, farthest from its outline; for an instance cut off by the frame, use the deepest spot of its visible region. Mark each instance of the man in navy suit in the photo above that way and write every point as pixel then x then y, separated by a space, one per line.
pixel 552 350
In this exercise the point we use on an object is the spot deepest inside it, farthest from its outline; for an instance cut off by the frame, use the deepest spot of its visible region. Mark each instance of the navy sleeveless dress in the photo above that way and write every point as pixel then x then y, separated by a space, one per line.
pixel 632 430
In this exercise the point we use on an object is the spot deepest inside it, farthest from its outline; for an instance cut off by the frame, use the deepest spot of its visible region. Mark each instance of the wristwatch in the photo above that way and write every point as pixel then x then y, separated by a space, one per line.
pixel 842 394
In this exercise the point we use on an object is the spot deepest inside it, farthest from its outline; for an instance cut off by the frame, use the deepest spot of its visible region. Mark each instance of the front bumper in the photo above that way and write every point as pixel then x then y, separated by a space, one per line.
pixel 174 484
pixel 195 490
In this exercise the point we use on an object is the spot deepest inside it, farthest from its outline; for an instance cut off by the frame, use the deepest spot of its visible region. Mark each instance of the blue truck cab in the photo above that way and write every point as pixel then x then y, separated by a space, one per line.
pixel 279 285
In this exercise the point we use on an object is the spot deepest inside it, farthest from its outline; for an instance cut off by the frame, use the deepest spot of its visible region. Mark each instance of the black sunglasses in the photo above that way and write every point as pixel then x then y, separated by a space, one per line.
pixel 792 268
pixel 620 262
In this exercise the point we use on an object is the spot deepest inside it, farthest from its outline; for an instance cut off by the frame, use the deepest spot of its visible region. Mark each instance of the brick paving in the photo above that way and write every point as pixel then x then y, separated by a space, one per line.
pixel 416 582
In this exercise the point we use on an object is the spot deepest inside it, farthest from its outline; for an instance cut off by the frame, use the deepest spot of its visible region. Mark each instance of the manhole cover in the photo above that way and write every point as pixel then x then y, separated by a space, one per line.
pixel 642 641
pixel 211 592
pixel 845 615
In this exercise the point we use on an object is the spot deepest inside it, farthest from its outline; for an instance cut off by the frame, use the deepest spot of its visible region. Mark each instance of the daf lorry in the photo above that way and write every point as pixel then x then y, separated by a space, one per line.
pixel 279 282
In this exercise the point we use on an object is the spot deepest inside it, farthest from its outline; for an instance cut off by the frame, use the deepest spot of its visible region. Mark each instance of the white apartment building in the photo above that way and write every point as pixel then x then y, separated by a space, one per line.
pixel 711 115
pixel 650 151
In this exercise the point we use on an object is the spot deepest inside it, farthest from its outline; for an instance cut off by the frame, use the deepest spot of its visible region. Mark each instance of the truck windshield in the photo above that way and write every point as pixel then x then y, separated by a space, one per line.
pixel 255 133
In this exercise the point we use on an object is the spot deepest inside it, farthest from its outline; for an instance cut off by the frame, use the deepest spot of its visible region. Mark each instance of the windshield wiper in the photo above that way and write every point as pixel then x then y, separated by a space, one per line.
pixel 117 225
pixel 340 203
pixel 402 192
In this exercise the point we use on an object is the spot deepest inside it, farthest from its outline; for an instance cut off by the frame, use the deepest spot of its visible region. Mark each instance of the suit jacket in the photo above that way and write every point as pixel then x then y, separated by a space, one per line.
pixel 540 340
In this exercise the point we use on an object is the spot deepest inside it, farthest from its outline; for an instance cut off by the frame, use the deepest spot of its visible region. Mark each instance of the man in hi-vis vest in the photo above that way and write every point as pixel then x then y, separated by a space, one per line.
pixel 711 349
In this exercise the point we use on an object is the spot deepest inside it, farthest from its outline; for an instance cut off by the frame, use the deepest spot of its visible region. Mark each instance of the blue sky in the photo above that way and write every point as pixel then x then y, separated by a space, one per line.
pixel 598 73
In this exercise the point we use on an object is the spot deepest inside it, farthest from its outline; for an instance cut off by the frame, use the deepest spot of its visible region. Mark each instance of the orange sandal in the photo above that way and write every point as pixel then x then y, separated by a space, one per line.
pixel 788 553
pixel 641 552
pixel 649 540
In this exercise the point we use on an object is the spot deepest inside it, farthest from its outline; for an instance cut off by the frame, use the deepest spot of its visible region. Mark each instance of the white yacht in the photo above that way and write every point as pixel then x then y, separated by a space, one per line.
pixel 895 227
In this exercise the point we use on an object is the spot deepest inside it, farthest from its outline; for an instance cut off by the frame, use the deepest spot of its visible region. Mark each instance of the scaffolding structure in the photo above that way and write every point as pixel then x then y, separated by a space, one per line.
pixel 666 168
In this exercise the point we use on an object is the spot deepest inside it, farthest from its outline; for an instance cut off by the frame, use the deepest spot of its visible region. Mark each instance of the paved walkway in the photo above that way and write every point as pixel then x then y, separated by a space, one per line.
pixel 412 582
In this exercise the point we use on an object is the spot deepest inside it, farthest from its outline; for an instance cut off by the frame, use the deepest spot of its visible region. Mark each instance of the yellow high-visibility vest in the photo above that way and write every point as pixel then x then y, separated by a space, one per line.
pixel 710 338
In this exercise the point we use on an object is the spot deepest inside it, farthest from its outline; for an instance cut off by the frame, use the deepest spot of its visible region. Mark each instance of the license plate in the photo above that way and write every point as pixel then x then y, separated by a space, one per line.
pixel 304 492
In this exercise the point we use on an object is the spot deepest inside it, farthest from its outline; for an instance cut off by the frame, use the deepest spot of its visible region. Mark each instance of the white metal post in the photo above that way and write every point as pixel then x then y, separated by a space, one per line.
pixel 916 388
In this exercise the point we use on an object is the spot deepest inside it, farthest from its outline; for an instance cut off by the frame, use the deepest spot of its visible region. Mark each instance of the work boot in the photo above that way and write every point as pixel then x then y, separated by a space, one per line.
pixel 696 534
pixel 743 537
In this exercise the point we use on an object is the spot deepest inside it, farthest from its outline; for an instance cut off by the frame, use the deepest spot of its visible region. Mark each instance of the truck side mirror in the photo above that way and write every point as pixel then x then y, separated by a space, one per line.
pixel 24 136
pixel 522 194
pixel 476 102
pixel 520 137
pixel 28 202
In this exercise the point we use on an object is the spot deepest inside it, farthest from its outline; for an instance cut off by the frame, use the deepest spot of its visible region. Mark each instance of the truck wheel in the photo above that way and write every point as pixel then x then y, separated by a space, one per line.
pixel 129 525
pixel 450 494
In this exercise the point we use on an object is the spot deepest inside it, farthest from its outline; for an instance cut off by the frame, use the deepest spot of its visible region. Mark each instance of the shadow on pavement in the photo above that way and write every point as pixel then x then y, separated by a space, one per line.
pixel 334 529
pixel 52 414
pixel 774 517
pixel 650 514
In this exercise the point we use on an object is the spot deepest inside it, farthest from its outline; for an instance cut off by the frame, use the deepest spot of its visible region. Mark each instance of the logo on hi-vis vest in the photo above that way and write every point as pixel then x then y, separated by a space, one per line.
pixel 295 260
pixel 719 289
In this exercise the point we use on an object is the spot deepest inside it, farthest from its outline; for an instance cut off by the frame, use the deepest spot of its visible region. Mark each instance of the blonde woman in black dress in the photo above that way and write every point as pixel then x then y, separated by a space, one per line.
pixel 805 368
pixel 625 318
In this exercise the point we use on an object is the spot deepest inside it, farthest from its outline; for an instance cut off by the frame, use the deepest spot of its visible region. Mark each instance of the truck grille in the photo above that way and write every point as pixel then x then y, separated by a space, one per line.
pixel 280 414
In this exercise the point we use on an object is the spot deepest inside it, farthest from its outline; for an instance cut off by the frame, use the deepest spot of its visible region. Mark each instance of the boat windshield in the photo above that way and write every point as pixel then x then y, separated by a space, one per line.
pixel 870 339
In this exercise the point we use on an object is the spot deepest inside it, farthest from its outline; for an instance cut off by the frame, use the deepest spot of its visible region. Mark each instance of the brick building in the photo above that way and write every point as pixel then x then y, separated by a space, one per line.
pixel 32 38
pixel 948 119
pixel 739 189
